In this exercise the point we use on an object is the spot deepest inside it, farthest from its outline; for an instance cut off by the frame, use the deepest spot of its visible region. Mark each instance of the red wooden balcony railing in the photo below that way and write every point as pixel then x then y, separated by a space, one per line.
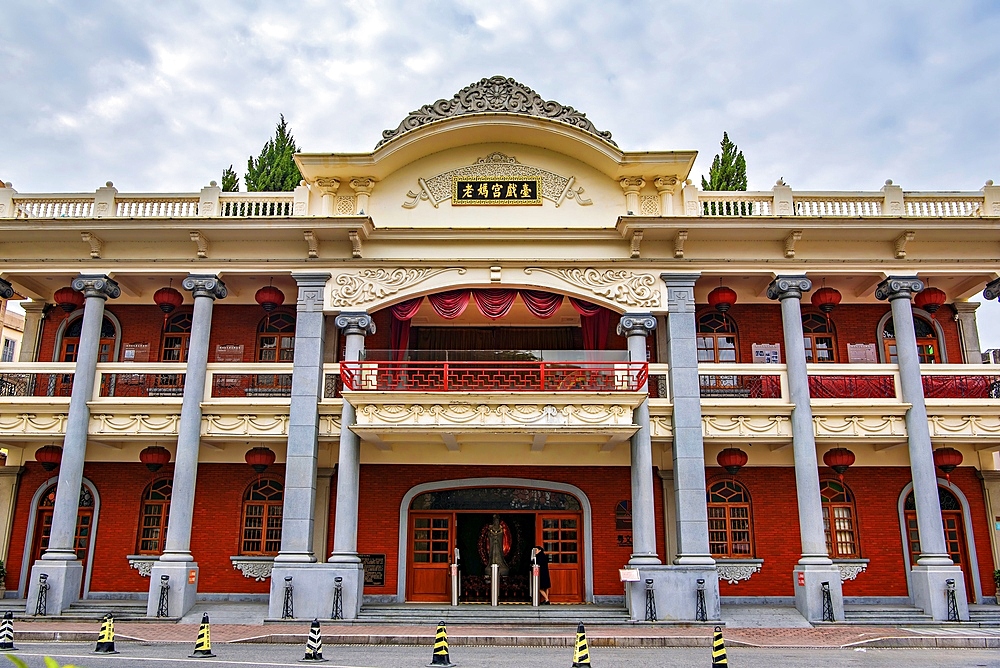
pixel 852 387
pixel 961 387
pixel 494 376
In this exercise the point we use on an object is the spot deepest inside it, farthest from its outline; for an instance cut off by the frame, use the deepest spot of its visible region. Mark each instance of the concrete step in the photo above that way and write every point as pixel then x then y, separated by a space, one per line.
pixel 886 615
pixel 562 615
pixel 87 610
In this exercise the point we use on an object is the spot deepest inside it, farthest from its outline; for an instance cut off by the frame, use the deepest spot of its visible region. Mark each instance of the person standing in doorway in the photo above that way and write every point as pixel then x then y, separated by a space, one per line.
pixel 544 582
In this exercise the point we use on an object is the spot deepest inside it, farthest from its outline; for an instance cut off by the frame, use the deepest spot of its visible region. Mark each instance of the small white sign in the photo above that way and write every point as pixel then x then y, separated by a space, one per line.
pixel 766 353
pixel 861 353
pixel 629 574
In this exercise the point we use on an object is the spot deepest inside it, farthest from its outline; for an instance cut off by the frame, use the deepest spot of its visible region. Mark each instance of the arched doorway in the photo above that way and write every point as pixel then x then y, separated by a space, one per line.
pixel 930 347
pixel 956 535
pixel 68 347
pixel 437 518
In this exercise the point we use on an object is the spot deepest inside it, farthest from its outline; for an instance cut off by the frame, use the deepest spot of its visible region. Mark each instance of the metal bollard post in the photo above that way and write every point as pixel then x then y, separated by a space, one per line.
pixel 650 602
pixel 41 603
pixel 454 585
pixel 494 585
pixel 338 598
pixel 163 607
pixel 287 611
pixel 827 603
pixel 953 615
pixel 700 613
pixel 535 579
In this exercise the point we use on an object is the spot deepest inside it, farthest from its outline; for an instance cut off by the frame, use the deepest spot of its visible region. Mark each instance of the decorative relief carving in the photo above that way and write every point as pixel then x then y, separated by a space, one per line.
pixel 369 285
pixel 734 573
pixel 851 570
pixel 661 427
pixel 898 287
pixel 134 424
pixel 773 426
pixel 618 285
pixel 96 286
pixel 258 569
pixel 347 205
pixel 142 564
pixel 438 188
pixel 206 208
pixel 27 423
pixel 649 205
pixel 964 425
pixel 496 94
pixel 636 324
pixel 299 209
pixel 859 425
pixel 467 414
pixel 245 425
pixel 788 287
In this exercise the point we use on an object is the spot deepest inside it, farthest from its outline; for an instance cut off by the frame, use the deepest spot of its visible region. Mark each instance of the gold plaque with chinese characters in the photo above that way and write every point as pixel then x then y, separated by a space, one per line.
pixel 483 190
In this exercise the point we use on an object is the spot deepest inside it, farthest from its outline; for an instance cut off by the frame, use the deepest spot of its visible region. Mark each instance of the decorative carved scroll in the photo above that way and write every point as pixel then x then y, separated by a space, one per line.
pixel 618 285
pixel 369 285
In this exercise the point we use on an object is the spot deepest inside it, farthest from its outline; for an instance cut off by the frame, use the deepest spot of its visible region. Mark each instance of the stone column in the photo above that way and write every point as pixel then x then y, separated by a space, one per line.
pixel 814 566
pixel 64 570
pixel 34 313
pixel 297 524
pixel 965 316
pixel 934 565
pixel 176 560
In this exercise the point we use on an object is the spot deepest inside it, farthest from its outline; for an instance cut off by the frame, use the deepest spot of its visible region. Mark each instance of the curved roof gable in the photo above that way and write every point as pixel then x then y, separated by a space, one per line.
pixel 496 94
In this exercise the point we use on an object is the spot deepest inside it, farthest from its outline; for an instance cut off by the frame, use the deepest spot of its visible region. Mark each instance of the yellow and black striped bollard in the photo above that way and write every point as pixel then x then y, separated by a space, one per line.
pixel 581 652
pixel 440 656
pixel 106 638
pixel 203 647
pixel 719 659
pixel 314 645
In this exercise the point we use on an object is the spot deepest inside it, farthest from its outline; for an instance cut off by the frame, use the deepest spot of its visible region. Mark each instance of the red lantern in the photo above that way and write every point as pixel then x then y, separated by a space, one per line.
pixel 49 457
pixel 826 299
pixel 168 299
pixel 270 297
pixel 947 459
pixel 154 457
pixel 732 459
pixel 260 458
pixel 839 459
pixel 930 299
pixel 68 299
pixel 722 298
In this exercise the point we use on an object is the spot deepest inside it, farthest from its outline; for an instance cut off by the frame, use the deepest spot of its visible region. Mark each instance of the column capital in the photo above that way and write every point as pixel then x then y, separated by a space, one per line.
pixel 96 285
pixel 6 289
pixel 355 323
pixel 992 290
pixel 363 185
pixel 636 324
pixel 632 184
pixel 788 287
pixel 205 285
pixel 680 292
pixel 312 279
pixel 666 184
pixel 328 186
pixel 35 307
pixel 311 286
pixel 898 287
pixel 968 307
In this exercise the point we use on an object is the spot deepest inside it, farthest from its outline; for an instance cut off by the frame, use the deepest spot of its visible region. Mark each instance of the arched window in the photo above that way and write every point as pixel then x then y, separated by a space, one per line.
pixel 820 339
pixel 839 520
pixel 154 516
pixel 953 520
pixel 176 338
pixel 730 529
pixel 717 339
pixel 928 348
pixel 70 346
pixel 84 522
pixel 262 504
pixel 276 338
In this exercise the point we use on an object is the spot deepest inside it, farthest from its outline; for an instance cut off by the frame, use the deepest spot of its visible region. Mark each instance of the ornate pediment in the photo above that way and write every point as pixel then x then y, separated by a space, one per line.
pixel 496 94
pixel 552 186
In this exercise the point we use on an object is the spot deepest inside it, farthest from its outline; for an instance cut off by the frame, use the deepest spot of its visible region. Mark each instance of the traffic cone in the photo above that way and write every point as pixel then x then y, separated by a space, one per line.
pixel 106 638
pixel 719 659
pixel 440 655
pixel 581 653
pixel 203 647
pixel 314 645
pixel 7 631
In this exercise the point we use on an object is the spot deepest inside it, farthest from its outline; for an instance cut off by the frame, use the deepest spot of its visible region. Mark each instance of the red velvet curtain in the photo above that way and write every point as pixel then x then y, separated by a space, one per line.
pixel 399 326
pixel 595 321
pixel 541 304
pixel 450 305
pixel 494 303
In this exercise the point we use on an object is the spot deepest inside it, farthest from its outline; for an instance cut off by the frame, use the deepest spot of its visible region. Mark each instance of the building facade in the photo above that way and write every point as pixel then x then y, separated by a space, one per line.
pixel 499 318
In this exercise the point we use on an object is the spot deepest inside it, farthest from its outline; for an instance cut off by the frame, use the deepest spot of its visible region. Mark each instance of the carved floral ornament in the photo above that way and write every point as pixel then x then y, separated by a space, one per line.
pixel 495 94
pixel 496 165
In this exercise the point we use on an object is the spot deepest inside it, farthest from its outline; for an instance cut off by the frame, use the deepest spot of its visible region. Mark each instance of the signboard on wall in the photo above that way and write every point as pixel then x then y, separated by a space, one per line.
pixel 374 565
pixel 477 190
pixel 623 523
pixel 862 353
pixel 766 353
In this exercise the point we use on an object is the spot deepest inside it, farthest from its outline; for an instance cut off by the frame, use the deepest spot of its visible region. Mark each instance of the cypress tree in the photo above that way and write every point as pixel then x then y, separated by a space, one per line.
pixel 274 169
pixel 729 169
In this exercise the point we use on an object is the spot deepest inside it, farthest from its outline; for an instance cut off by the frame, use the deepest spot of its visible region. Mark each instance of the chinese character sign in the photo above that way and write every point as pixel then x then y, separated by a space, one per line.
pixel 495 191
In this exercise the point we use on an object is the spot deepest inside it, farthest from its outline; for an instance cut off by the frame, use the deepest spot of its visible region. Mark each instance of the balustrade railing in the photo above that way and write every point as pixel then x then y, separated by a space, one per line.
pixel 248 381
pixel 961 386
pixel 162 206
pixel 736 203
pixel 36 380
pixel 740 386
pixel 838 204
pixel 843 386
pixel 49 206
pixel 256 205
pixel 942 205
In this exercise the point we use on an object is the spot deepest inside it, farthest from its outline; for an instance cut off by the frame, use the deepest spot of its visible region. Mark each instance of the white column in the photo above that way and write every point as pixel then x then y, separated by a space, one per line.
pixel 968 330
pixel 34 313
pixel 59 563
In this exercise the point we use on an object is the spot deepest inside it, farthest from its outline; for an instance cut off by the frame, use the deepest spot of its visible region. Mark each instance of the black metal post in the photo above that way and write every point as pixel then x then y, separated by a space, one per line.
pixel 338 598
pixel 827 603
pixel 287 612
pixel 163 607
pixel 701 614
pixel 43 594
pixel 650 602
pixel 953 615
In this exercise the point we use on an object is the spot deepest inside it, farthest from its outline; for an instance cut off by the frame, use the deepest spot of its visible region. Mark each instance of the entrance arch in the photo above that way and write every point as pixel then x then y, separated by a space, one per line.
pixel 959 536
pixel 496 482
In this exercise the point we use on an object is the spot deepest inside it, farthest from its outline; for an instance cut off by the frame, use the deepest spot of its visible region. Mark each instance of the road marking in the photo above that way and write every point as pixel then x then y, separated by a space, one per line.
pixel 92 656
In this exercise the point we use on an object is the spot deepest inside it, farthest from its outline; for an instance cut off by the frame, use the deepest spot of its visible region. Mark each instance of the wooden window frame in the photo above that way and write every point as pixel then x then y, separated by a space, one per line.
pixel 729 516
pixel 164 517
pixel 183 335
pixel 810 338
pixel 714 336
pixel 266 506
pixel 264 331
pixel 829 520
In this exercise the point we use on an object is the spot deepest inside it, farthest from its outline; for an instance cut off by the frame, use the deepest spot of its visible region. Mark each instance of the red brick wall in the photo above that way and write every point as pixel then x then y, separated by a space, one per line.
pixel 383 487
pixel 876 492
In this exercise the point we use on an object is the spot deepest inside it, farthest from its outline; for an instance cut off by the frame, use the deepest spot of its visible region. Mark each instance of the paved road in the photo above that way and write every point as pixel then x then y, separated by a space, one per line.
pixel 168 655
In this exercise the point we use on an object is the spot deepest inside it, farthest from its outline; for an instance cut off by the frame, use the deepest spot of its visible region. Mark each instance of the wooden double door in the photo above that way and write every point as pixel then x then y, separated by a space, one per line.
pixel 433 537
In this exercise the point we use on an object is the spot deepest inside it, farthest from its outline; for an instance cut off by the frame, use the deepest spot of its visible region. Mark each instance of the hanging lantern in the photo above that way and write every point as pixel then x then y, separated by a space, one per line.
pixel 49 456
pixel 154 457
pixel 168 299
pixel 270 297
pixel 947 459
pixel 732 459
pixel 722 298
pixel 826 299
pixel 839 459
pixel 930 299
pixel 68 299
pixel 260 458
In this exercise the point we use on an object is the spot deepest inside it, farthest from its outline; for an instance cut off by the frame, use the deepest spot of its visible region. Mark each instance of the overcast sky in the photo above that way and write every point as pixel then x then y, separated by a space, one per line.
pixel 830 96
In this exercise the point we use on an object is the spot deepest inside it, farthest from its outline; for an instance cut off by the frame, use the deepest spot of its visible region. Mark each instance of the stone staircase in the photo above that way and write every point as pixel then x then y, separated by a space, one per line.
pixel 984 615
pixel 87 610
pixel 886 615
pixel 484 615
